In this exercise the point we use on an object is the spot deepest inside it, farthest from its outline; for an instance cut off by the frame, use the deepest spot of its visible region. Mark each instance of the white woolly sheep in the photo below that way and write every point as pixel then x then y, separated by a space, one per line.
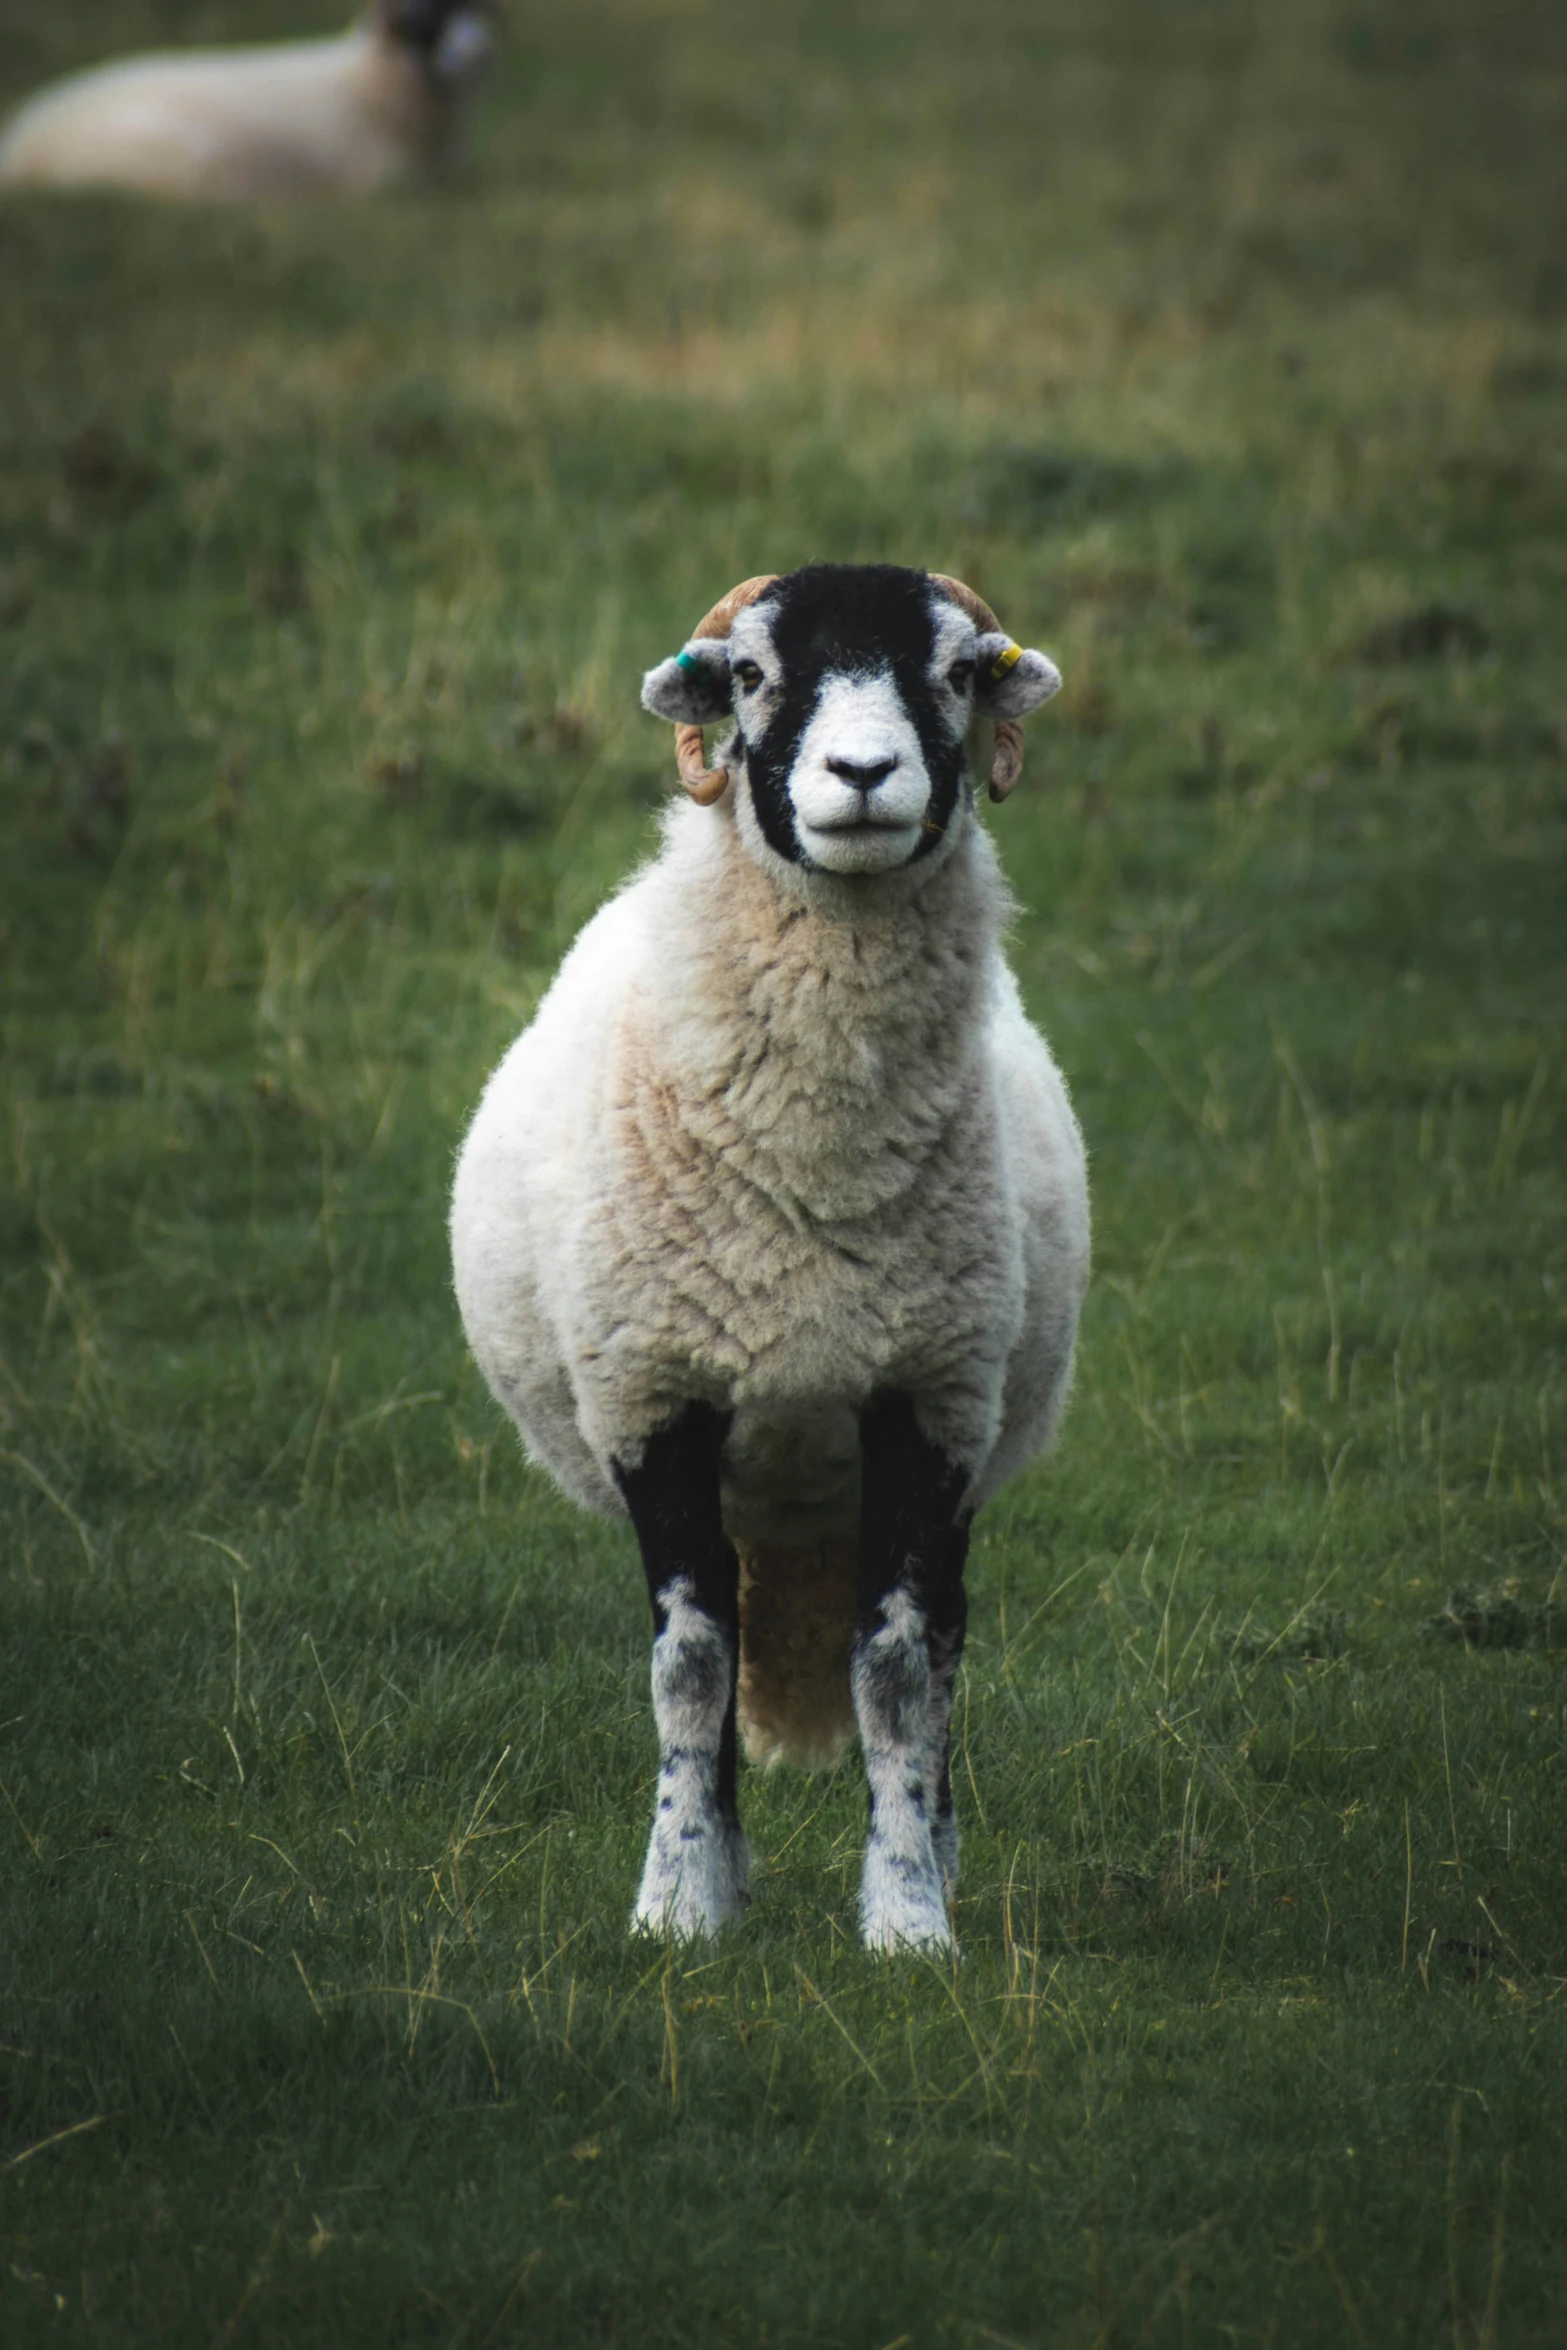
pixel 296 118
pixel 772 1229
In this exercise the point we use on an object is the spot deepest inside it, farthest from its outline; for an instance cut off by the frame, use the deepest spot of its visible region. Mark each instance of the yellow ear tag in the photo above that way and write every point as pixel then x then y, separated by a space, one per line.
pixel 1005 661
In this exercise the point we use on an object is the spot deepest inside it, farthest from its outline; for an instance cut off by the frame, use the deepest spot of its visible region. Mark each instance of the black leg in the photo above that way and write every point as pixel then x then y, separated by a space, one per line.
pixel 908 1636
pixel 695 1874
pixel 947 1625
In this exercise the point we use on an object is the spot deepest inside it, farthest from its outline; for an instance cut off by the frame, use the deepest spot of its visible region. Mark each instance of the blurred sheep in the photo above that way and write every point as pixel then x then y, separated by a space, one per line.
pixel 331 117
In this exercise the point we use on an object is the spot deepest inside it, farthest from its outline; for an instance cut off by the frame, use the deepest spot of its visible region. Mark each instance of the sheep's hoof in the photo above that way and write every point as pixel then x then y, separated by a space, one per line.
pixel 902 1905
pixel 928 1933
pixel 692 1886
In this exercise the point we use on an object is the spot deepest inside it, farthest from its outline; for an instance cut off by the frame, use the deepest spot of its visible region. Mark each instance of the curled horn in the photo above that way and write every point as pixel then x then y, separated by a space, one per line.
pixel 1006 758
pixel 704 783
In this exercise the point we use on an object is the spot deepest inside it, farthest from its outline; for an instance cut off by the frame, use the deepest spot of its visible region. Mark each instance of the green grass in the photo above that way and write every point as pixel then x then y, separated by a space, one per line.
pixel 1224 348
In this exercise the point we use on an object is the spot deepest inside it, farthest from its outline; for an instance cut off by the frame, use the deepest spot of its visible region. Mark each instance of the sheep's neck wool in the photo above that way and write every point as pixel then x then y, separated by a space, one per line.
pixel 816 1041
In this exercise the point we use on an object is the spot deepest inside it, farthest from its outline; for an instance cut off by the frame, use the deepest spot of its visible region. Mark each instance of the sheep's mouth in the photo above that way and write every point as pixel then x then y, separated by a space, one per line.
pixel 864 827
pixel 861 844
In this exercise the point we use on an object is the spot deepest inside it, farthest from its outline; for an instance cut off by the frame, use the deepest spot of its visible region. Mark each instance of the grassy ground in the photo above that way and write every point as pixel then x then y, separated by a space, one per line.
pixel 1225 349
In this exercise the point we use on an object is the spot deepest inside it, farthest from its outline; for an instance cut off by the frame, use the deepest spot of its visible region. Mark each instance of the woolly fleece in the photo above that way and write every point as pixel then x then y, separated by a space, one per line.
pixel 777 1147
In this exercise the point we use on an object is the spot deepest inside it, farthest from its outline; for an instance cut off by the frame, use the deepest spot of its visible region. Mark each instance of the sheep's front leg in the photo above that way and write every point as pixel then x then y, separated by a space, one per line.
pixel 907 1639
pixel 944 1633
pixel 694 1879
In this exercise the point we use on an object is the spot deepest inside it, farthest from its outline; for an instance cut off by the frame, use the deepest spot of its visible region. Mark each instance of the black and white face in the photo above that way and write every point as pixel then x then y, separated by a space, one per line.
pixel 452 37
pixel 851 687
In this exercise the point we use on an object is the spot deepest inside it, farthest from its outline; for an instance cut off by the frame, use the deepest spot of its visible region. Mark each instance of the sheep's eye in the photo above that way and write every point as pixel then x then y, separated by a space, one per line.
pixel 747 675
pixel 961 676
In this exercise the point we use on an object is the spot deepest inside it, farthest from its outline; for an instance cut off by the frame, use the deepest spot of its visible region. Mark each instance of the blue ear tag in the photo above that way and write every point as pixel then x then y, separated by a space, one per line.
pixel 687 661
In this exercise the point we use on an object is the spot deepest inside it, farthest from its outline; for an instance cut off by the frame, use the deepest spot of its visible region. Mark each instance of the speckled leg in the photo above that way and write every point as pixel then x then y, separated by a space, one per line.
pixel 695 1876
pixel 901 1673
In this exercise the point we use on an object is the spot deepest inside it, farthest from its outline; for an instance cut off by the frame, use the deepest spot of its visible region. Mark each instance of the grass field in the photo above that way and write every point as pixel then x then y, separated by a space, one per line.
pixel 1224 348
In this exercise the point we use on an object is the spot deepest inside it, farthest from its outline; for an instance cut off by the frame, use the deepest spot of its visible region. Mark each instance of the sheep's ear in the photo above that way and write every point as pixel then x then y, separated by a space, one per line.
pixel 1008 681
pixel 692 687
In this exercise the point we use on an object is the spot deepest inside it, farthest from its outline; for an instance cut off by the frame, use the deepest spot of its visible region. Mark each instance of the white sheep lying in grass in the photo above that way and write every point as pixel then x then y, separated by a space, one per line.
pixel 772 1229
pixel 298 118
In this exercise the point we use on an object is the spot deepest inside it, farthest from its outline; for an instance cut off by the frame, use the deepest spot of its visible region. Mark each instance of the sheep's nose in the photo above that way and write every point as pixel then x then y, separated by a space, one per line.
pixel 865 775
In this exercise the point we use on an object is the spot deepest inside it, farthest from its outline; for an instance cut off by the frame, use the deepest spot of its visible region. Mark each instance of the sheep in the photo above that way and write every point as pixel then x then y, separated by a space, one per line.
pixel 771 1231
pixel 298 118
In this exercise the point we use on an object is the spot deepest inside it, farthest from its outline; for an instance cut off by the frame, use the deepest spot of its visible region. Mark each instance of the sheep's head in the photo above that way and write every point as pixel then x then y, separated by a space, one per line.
pixel 451 38
pixel 851 688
